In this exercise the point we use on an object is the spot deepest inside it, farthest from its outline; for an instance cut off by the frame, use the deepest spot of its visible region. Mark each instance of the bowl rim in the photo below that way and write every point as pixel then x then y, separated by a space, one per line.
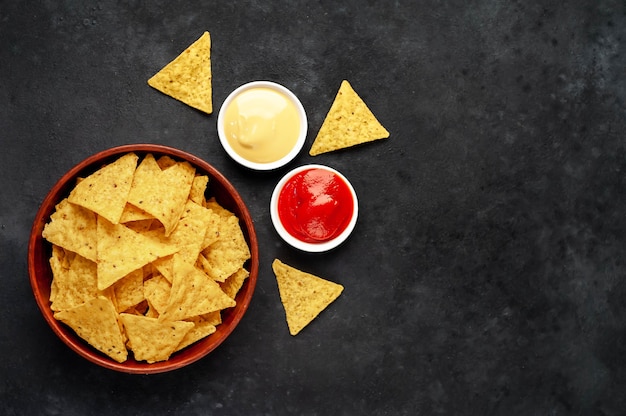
pixel 269 165
pixel 301 245
pixel 181 358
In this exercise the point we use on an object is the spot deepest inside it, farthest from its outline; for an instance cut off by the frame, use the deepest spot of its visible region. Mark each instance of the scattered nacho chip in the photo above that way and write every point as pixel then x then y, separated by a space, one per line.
pixel 152 340
pixel 349 122
pixel 96 322
pixel 188 77
pixel 73 228
pixel 162 193
pixel 303 295
pixel 105 191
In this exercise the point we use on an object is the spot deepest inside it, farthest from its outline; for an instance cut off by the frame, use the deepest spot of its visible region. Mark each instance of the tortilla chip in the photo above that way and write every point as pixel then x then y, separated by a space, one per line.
pixel 74 285
pixel 152 340
pixel 161 193
pixel 188 77
pixel 198 188
pixel 303 295
pixel 229 253
pixel 96 322
pixel 122 250
pixel 131 213
pixel 234 282
pixel 73 228
pixel 349 122
pixel 202 328
pixel 214 206
pixel 210 219
pixel 105 191
pixel 193 293
pixel 157 292
pixel 128 291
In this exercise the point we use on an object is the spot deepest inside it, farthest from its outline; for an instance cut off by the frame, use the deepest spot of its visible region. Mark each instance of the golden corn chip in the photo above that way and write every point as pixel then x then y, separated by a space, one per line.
pixel 75 285
pixel 188 236
pixel 193 293
pixel 96 322
pixel 198 188
pixel 152 340
pixel 161 193
pixel 131 213
pixel 73 228
pixel 229 253
pixel 128 291
pixel 210 219
pixel 164 267
pixel 202 328
pixel 303 295
pixel 188 77
pixel 105 191
pixel 122 250
pixel 212 318
pixel 349 122
pixel 234 282
pixel 165 162
pixel 214 206
pixel 157 290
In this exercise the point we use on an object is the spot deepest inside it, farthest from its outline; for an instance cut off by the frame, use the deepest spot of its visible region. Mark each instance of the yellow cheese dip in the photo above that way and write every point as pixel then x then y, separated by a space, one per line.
pixel 261 125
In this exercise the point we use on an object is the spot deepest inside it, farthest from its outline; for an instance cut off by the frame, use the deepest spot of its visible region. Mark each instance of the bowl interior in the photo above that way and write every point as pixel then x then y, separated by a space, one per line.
pixel 39 251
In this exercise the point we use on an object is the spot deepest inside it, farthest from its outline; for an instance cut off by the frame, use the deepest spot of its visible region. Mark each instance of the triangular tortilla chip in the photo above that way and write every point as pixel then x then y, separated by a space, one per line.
pixel 157 292
pixel 122 250
pixel 234 282
pixel 73 228
pixel 202 328
pixel 105 191
pixel 188 77
pixel 198 189
pixel 74 285
pixel 152 340
pixel 128 291
pixel 349 122
pixel 193 293
pixel 96 322
pixel 229 253
pixel 303 295
pixel 162 193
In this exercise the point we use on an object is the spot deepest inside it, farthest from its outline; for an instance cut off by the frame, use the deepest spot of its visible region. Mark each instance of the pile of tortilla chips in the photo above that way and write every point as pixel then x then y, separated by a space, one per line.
pixel 141 260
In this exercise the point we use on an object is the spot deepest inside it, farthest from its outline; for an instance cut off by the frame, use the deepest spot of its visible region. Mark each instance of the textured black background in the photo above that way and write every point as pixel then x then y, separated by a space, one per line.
pixel 486 275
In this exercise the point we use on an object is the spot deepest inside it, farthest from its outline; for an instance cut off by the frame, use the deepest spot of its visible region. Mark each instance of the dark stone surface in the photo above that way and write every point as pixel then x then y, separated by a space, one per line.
pixel 486 275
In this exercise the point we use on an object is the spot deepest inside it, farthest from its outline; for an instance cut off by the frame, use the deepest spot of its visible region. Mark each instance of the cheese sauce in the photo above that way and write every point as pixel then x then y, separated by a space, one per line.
pixel 261 125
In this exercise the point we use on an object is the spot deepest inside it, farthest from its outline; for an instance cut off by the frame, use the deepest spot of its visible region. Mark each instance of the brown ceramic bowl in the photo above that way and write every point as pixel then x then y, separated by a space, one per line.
pixel 39 251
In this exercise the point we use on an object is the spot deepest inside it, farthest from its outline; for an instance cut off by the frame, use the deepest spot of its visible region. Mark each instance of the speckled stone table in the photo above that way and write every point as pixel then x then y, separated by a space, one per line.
pixel 487 272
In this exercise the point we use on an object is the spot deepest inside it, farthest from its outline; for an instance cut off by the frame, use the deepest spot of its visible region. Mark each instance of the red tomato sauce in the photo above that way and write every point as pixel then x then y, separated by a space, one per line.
pixel 315 205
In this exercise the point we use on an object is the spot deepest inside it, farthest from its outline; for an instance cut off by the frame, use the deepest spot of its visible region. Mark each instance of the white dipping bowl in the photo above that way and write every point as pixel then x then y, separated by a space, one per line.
pixel 302 245
pixel 269 165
